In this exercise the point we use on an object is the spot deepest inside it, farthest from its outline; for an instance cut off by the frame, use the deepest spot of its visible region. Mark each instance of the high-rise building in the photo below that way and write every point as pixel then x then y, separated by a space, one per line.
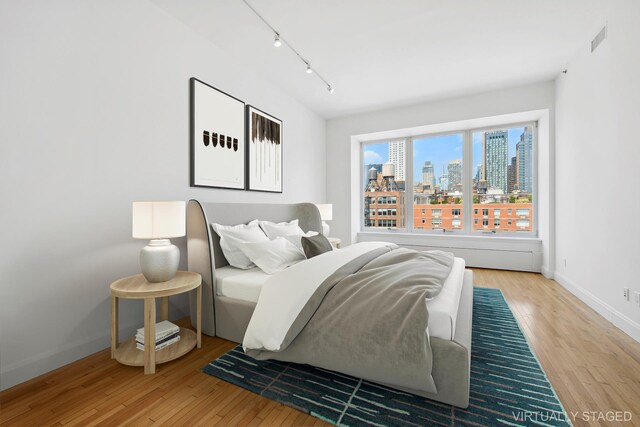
pixel 428 177
pixel 478 176
pixel 396 156
pixel 454 174
pixel 511 174
pixel 495 148
pixel 524 154
pixel 443 181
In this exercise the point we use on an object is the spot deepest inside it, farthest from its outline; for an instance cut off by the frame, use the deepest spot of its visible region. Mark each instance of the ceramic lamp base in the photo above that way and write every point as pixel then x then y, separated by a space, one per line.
pixel 325 228
pixel 159 260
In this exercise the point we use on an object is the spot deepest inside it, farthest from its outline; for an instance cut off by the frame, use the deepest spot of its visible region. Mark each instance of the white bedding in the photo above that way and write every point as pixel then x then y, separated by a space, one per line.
pixel 285 294
pixel 443 309
pixel 246 285
pixel 240 284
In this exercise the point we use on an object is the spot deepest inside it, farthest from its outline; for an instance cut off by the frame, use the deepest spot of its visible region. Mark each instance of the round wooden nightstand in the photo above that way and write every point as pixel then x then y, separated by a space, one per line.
pixel 137 287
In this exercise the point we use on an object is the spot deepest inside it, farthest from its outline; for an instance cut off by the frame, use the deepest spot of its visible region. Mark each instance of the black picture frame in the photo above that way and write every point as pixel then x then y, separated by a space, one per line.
pixel 264 152
pixel 217 138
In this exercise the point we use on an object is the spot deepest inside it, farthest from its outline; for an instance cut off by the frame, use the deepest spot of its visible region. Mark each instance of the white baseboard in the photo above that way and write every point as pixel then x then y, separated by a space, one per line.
pixel 627 325
pixel 42 363
pixel 549 274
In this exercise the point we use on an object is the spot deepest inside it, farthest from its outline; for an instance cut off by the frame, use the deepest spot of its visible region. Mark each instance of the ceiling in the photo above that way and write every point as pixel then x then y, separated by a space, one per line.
pixel 379 54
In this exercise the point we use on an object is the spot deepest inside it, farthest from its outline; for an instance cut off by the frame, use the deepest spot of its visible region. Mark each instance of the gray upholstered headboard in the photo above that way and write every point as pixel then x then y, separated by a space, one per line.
pixel 203 244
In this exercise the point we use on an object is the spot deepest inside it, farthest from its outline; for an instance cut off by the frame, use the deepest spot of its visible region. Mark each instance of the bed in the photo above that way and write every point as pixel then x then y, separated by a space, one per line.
pixel 230 295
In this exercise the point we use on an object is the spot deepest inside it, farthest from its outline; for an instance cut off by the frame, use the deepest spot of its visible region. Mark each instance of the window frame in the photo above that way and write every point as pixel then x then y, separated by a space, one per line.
pixel 468 173
pixel 409 194
pixel 385 229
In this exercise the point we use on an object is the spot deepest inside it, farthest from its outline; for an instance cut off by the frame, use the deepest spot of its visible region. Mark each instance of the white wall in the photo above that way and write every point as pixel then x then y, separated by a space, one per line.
pixel 95 114
pixel 345 194
pixel 597 163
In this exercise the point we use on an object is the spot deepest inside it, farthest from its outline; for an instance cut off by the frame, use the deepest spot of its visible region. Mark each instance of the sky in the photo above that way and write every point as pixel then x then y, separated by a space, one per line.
pixel 440 150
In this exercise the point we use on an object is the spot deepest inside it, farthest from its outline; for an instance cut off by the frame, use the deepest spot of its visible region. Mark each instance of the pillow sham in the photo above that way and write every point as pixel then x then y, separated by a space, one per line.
pixel 281 229
pixel 231 236
pixel 272 256
pixel 315 245
pixel 296 239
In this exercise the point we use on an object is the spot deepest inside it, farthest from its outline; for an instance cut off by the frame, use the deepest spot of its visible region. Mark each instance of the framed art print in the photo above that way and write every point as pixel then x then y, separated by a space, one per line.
pixel 264 151
pixel 217 138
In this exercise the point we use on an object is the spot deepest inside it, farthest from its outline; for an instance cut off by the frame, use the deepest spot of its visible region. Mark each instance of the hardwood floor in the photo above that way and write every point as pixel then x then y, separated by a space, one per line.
pixel 592 365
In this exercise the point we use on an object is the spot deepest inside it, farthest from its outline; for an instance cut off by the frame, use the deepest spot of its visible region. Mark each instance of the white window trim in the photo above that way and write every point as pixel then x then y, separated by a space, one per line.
pixel 472 248
pixel 467 161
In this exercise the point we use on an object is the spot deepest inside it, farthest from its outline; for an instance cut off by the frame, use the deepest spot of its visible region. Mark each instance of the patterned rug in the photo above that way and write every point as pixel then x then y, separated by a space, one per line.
pixel 508 386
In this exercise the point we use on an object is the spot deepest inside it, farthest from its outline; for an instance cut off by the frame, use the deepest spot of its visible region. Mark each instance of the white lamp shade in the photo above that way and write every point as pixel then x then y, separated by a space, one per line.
pixel 159 220
pixel 326 211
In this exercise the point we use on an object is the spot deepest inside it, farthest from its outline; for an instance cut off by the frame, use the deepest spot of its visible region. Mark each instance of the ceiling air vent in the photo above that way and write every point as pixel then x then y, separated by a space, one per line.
pixel 599 38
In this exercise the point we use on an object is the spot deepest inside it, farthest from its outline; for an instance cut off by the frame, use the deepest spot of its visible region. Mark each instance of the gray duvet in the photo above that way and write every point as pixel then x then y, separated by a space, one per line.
pixel 369 319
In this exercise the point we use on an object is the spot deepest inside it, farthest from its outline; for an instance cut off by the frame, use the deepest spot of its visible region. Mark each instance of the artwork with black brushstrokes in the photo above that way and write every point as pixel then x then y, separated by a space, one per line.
pixel 217 138
pixel 264 151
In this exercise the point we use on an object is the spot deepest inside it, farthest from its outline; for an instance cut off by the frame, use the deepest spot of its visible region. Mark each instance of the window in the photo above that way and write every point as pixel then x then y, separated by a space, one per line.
pixel 441 179
pixel 384 178
pixel 504 176
pixel 438 177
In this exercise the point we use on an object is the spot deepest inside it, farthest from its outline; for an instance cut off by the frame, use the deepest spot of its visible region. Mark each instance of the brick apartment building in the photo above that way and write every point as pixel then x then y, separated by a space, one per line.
pixel 384 209
pixel 498 217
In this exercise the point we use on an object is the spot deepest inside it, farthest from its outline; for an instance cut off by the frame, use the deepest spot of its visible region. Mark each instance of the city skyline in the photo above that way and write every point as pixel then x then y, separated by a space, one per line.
pixel 440 150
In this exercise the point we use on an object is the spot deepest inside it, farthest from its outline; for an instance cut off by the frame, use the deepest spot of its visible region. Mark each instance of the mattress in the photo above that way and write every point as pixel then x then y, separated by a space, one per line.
pixel 246 285
pixel 240 284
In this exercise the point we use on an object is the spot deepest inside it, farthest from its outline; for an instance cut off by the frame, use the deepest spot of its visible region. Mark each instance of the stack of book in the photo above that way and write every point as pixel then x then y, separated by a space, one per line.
pixel 166 334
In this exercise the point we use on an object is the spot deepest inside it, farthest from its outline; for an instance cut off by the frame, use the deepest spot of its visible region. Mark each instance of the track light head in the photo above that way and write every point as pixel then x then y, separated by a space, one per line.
pixel 279 41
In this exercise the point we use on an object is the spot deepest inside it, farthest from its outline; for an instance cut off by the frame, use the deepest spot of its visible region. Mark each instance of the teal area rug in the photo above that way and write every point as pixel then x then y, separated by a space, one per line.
pixel 508 386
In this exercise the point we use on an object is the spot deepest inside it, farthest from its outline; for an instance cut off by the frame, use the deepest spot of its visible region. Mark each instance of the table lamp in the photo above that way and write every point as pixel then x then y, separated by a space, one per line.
pixel 159 221
pixel 326 214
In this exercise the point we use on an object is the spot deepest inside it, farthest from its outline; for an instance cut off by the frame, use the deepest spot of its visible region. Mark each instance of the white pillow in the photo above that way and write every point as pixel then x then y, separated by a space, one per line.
pixel 281 229
pixel 274 255
pixel 296 239
pixel 231 236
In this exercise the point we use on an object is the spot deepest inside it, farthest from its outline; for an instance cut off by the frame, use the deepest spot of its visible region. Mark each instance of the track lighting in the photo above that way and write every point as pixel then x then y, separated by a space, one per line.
pixel 278 41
